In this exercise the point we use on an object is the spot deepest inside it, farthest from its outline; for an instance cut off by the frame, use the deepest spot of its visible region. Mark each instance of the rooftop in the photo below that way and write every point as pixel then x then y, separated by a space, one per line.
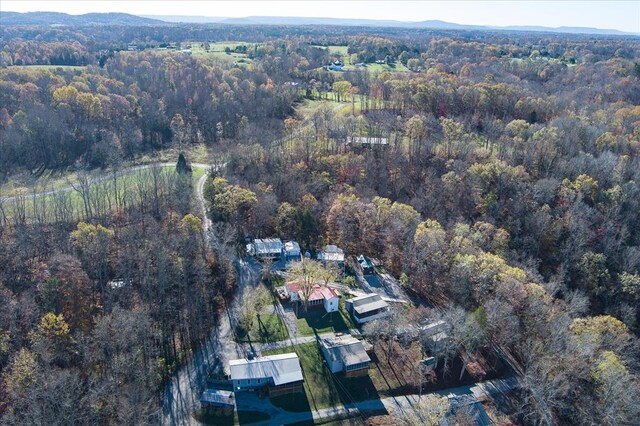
pixel 317 292
pixel 267 246
pixel 322 292
pixel 283 368
pixel 368 303
pixel 292 247
pixel 214 396
pixel 331 253
pixel 346 349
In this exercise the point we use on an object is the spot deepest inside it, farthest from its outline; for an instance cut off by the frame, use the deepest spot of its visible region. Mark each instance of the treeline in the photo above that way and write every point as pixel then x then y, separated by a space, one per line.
pixel 53 118
pixel 94 317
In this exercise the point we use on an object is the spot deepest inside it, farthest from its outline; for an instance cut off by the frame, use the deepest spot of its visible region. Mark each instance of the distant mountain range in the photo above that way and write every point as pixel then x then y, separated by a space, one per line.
pixel 53 18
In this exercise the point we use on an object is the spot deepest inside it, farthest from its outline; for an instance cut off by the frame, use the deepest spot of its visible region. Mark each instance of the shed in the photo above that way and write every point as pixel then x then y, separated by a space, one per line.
pixel 217 398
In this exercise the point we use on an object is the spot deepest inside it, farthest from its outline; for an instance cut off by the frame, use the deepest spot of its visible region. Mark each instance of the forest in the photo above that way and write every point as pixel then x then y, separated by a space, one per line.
pixel 505 197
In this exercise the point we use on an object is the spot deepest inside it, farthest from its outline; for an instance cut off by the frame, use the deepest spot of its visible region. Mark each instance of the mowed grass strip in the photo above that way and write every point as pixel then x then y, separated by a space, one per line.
pixel 101 188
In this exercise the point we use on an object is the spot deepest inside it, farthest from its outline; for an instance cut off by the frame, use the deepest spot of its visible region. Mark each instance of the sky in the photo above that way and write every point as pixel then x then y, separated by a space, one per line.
pixel 619 15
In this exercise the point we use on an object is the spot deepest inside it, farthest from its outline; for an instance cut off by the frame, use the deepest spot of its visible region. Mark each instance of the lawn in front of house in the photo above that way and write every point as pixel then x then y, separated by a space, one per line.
pixel 322 388
pixel 319 321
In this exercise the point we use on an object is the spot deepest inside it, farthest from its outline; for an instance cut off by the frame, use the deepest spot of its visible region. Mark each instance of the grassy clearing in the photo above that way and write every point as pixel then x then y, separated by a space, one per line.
pixel 101 195
pixel 208 417
pixel 24 182
pixel 313 322
pixel 217 51
pixel 323 388
pixel 270 328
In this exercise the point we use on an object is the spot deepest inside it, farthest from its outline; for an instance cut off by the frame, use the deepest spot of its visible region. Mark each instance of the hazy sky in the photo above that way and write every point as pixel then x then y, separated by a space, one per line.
pixel 620 15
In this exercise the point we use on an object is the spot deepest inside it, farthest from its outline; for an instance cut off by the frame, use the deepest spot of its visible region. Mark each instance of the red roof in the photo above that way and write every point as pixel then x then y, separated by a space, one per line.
pixel 318 292
pixel 294 286
pixel 322 293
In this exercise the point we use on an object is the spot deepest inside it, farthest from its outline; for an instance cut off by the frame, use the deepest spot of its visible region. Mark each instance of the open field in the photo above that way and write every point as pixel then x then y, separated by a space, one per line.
pixel 334 49
pixel 217 51
pixel 103 192
pixel 23 183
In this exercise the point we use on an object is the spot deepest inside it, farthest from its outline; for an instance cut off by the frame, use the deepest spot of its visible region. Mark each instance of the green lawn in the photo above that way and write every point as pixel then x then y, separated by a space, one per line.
pixel 323 388
pixel 270 328
pixel 208 417
pixel 101 190
pixel 318 321
pixel 217 50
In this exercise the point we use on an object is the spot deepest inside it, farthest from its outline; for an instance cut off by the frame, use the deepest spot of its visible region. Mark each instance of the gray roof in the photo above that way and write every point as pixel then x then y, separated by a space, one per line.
pixel 367 303
pixel 214 396
pixel 434 328
pixel 283 368
pixel 267 246
pixel 331 253
pixel 292 248
pixel 346 349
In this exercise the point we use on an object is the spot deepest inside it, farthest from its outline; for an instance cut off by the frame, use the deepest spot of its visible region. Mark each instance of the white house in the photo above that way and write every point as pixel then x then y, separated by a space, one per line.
pixel 279 373
pixel 319 296
pixel 345 354
pixel 367 308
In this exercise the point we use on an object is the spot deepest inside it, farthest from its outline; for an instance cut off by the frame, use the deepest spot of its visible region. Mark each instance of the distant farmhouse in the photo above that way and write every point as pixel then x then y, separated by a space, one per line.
pixel 367 308
pixel 320 296
pixel 367 140
pixel 335 66
pixel 280 374
pixel 345 354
